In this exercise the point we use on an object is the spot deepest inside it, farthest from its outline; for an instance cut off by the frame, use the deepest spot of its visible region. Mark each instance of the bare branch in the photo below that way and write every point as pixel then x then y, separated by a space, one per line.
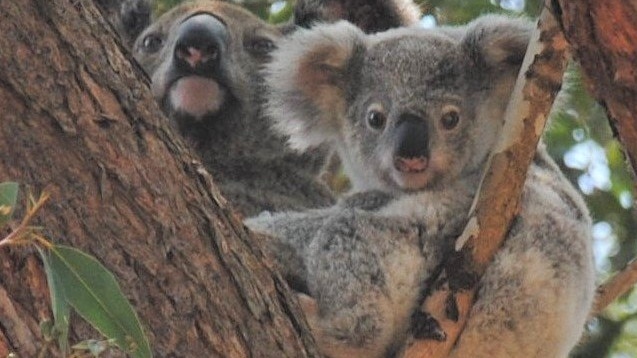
pixel 616 286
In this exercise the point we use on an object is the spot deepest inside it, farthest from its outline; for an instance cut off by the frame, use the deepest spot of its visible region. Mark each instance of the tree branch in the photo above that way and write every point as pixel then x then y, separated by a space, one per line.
pixel 602 38
pixel 498 198
pixel 616 286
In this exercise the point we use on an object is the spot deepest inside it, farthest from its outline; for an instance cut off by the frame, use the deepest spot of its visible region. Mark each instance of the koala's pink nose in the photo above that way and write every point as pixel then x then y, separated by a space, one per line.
pixel 410 165
pixel 194 57
pixel 201 40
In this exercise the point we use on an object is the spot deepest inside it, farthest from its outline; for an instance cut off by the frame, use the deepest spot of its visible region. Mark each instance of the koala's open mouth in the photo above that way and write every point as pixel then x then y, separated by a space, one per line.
pixel 196 96
pixel 411 165
pixel 411 173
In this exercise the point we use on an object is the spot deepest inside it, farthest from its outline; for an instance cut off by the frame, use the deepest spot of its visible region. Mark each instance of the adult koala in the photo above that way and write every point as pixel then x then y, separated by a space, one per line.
pixel 204 60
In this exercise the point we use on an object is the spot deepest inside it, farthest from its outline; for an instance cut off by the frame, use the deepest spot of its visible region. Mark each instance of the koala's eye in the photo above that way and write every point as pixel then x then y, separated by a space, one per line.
pixel 450 119
pixel 376 119
pixel 152 43
pixel 260 46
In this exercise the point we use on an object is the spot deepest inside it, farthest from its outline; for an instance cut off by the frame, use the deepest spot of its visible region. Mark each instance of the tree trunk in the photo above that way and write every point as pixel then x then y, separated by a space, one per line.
pixel 602 35
pixel 78 119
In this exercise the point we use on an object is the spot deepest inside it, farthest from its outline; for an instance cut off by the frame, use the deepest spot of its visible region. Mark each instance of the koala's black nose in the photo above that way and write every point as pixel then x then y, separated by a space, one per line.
pixel 201 41
pixel 411 148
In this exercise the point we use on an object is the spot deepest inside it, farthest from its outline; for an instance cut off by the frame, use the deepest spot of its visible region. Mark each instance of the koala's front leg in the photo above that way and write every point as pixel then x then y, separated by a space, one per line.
pixel 364 273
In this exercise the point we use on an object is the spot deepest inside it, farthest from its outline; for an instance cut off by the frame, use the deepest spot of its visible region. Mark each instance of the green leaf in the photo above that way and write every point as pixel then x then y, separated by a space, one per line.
pixel 94 293
pixel 59 305
pixel 8 198
pixel 283 15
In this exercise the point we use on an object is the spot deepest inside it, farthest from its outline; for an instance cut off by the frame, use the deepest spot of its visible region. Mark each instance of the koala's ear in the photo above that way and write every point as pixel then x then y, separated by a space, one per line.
pixel 369 15
pixel 134 17
pixel 308 80
pixel 497 42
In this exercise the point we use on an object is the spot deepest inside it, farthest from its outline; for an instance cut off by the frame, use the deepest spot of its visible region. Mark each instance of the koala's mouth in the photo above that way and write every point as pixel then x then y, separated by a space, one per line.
pixel 196 96
pixel 411 165
pixel 412 173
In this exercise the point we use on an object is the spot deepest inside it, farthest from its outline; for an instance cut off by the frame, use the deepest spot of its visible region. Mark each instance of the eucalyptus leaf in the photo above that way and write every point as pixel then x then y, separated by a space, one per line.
pixel 59 305
pixel 8 198
pixel 96 296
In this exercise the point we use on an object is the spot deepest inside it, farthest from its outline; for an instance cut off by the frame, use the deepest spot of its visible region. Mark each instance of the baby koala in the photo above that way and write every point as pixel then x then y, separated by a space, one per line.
pixel 413 114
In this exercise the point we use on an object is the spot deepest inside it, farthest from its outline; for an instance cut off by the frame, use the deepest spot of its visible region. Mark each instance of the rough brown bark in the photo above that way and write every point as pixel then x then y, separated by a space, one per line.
pixel 78 119
pixel 602 35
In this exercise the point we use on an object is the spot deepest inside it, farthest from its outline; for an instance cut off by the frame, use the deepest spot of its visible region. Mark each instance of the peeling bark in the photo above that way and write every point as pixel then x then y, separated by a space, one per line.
pixel 79 120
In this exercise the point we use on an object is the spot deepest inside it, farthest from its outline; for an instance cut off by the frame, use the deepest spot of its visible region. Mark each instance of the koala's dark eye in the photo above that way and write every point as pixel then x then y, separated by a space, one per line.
pixel 260 46
pixel 376 119
pixel 152 43
pixel 450 119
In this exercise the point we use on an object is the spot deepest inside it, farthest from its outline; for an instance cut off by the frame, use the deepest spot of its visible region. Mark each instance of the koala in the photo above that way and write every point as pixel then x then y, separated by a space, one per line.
pixel 358 272
pixel 413 114
pixel 204 59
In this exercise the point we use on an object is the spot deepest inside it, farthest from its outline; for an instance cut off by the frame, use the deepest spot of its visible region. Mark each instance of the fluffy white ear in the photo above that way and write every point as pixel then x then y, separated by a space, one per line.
pixel 308 81
pixel 497 42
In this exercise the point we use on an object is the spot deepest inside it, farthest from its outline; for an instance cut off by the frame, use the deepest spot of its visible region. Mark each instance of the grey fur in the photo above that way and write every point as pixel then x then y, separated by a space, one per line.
pixel 363 268
pixel 534 298
pixel 251 163
pixel 128 17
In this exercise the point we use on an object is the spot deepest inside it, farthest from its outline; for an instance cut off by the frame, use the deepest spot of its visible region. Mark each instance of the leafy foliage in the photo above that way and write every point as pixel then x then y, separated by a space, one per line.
pixel 59 304
pixel 86 285
pixel 8 198
pixel 76 280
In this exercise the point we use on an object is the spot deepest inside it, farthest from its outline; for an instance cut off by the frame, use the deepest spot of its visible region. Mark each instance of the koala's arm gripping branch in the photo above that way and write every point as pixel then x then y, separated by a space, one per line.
pixel 497 202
